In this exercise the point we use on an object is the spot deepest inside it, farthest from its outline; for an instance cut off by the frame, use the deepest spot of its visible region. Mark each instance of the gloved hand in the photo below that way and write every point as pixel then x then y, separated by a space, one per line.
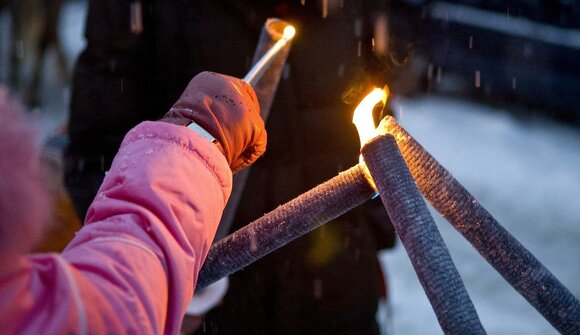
pixel 228 109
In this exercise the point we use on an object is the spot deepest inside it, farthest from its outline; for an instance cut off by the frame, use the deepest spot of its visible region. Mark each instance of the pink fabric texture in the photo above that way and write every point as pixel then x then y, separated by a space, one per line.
pixel 132 268
pixel 24 204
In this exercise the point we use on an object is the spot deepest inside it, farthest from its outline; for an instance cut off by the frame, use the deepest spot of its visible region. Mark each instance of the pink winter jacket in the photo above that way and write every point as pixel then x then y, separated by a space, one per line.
pixel 132 268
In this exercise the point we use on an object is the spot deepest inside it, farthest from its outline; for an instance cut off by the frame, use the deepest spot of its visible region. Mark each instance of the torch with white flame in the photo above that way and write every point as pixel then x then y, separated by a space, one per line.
pixel 256 72
pixel 264 76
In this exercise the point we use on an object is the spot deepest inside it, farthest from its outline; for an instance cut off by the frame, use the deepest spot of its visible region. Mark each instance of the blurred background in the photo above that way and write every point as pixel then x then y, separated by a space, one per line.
pixel 489 87
pixel 39 43
pixel 524 53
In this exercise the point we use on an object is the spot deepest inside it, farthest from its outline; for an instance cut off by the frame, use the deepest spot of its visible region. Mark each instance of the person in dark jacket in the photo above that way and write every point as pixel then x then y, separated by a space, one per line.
pixel 140 53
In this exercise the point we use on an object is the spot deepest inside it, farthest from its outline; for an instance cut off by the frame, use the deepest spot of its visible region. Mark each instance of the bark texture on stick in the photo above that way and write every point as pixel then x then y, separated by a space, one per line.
pixel 277 228
pixel 420 237
pixel 504 252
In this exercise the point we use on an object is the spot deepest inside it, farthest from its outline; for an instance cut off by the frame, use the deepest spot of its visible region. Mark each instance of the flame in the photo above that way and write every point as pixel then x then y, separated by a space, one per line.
pixel 288 33
pixel 363 114
pixel 365 124
pixel 256 72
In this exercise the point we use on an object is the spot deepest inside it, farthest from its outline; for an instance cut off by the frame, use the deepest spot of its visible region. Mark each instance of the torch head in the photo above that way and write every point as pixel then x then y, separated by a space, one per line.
pixel 365 124
pixel 363 114
pixel 271 52
pixel 269 60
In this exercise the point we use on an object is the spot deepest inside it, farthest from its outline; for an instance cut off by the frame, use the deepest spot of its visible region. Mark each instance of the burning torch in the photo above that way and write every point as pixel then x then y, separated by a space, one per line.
pixel 497 246
pixel 264 76
pixel 387 172
pixel 397 167
pixel 394 159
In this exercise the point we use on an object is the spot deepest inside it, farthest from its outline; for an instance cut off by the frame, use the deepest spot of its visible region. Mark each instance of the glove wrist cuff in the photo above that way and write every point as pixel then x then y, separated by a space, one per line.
pixel 202 132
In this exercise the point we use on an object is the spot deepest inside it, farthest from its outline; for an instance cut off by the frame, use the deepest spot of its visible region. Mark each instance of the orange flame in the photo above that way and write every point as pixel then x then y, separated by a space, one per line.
pixel 365 124
pixel 363 114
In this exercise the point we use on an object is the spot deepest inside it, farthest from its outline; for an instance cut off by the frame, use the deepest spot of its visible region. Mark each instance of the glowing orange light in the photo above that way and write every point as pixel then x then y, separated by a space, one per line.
pixel 365 124
pixel 288 33
pixel 256 72
pixel 363 114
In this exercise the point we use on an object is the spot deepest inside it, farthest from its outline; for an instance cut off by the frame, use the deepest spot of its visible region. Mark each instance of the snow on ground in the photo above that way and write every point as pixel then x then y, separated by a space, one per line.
pixel 526 172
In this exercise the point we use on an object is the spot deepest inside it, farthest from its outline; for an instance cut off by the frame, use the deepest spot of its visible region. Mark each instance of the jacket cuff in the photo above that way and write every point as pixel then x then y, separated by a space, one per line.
pixel 188 140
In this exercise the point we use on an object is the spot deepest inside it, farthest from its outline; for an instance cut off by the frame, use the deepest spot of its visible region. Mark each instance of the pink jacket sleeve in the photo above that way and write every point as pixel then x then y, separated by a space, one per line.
pixel 133 266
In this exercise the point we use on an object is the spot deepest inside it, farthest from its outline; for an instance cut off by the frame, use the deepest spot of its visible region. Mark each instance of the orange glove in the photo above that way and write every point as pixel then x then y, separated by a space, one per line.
pixel 227 108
